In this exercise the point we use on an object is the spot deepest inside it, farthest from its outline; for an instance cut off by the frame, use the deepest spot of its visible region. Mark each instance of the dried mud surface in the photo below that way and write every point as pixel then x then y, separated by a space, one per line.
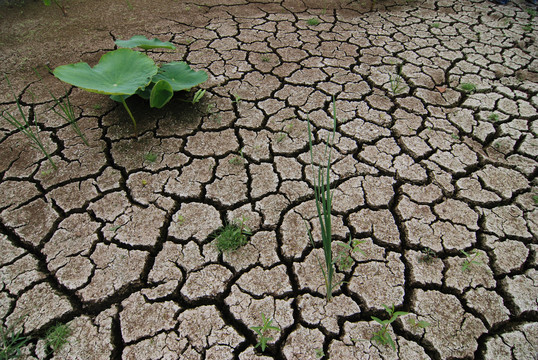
pixel 119 246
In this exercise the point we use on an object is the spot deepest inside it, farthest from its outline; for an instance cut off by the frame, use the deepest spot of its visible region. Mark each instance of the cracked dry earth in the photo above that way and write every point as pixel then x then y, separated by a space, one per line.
pixel 119 246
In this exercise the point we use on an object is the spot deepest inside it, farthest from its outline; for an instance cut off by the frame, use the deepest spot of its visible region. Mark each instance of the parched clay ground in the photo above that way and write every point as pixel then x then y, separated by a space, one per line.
pixel 119 246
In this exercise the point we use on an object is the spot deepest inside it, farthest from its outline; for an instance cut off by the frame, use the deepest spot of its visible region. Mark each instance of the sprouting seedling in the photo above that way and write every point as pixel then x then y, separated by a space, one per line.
pixel 343 259
pixel 237 98
pixel 68 114
pixel 535 199
pixel 115 227
pixel 383 337
pixel 396 83
pixel 198 96
pixel 471 258
pixel 281 136
pixel 180 219
pixel 24 127
pixel 436 25
pixel 418 324
pixel 262 332
pixel 265 58
pixel 66 111
pixel 468 87
pixel 319 352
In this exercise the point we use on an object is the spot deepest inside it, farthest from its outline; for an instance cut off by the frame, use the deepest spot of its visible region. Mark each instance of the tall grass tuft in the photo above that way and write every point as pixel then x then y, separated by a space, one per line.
pixel 24 126
pixel 323 196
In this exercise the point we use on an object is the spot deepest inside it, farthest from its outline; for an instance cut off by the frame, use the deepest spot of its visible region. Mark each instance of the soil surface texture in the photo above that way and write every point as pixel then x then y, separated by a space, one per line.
pixel 434 157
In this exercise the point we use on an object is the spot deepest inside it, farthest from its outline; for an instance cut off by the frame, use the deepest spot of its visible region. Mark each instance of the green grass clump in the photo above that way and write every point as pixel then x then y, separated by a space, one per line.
pixel 12 342
pixel 493 117
pixel 57 336
pixel 150 157
pixel 468 87
pixel 232 236
pixel 313 21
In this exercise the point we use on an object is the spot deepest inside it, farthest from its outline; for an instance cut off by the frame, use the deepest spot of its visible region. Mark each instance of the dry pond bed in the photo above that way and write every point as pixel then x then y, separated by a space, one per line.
pixel 435 155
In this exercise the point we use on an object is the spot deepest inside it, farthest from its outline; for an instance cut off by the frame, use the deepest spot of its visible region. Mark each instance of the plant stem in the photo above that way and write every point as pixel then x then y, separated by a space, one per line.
pixel 323 197
pixel 130 114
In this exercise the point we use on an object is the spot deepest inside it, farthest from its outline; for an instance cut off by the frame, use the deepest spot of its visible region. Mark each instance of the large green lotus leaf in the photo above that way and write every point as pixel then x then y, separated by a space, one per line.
pixel 144 43
pixel 180 75
pixel 161 94
pixel 119 72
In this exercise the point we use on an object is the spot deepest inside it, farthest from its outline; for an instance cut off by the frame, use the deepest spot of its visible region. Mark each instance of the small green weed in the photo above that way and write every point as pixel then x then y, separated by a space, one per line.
pixel 210 108
pixel 319 353
pixel 57 336
pixel 493 117
pixel 535 199
pixel 468 87
pixel 281 136
pixel 237 99
pixel 436 25
pixel 383 337
pixel 232 236
pixel 396 84
pixel 343 259
pixel 313 21
pixel 454 136
pixel 115 227
pixel 12 342
pixel 180 219
pixel 428 256
pixel 48 3
pixel 531 12
pixel 150 157
pixel 418 324
pixel 238 160
pixel 262 331
pixel 265 58
pixel 527 27
pixel 471 258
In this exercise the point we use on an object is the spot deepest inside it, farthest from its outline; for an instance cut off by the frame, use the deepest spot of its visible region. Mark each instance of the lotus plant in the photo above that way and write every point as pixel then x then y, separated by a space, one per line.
pixel 125 72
